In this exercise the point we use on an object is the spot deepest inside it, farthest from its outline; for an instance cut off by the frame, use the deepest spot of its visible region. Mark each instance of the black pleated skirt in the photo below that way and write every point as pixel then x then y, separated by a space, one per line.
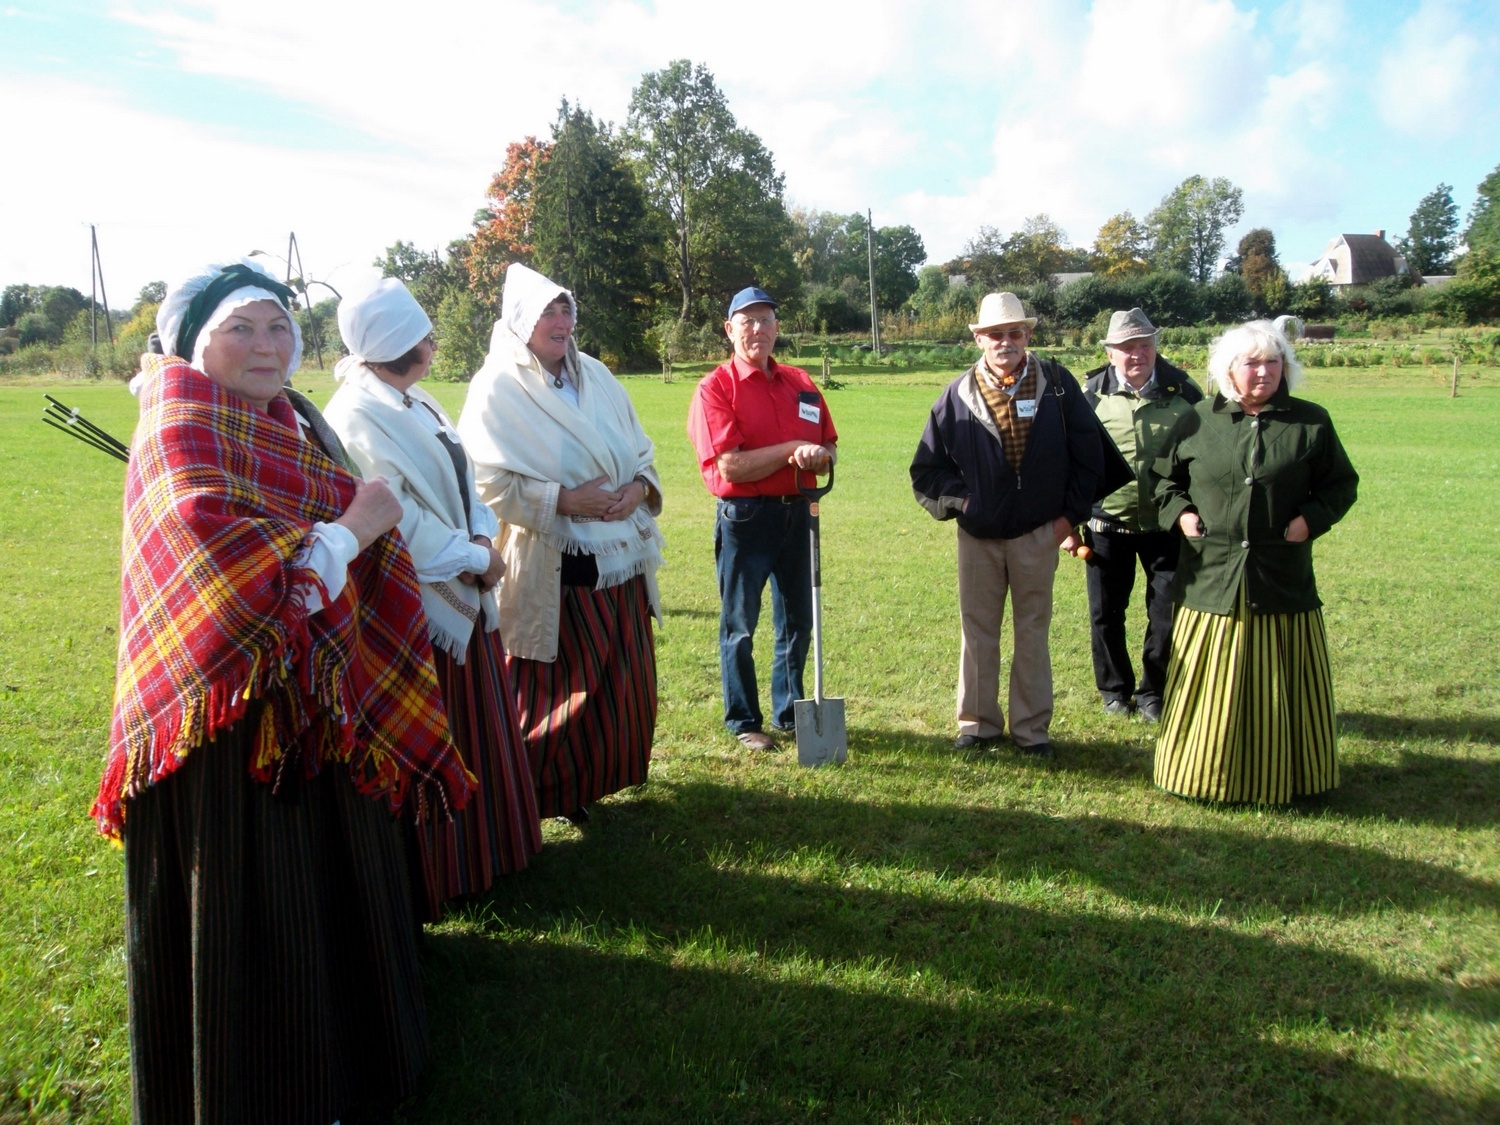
pixel 271 949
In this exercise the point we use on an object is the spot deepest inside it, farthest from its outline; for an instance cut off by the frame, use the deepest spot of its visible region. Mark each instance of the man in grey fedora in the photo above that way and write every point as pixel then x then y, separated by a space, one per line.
pixel 1013 453
pixel 1138 397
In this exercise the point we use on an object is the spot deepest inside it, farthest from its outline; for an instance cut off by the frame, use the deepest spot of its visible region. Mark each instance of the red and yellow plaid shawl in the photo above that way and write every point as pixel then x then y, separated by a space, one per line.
pixel 219 498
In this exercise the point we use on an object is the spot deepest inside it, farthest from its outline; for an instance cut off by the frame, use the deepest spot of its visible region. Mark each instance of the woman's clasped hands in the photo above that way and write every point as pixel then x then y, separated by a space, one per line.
pixel 592 501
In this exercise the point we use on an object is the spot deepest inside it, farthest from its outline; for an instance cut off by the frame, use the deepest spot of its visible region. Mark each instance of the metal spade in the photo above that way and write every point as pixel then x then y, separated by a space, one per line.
pixel 821 738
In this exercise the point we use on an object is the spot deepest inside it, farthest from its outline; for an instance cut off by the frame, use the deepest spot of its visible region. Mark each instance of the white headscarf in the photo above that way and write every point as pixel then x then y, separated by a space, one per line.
pixel 527 295
pixel 381 324
pixel 174 308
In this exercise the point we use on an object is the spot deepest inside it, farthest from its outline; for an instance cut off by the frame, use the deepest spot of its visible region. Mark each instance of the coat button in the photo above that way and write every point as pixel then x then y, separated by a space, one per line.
pixel 1249 480
pixel 1245 544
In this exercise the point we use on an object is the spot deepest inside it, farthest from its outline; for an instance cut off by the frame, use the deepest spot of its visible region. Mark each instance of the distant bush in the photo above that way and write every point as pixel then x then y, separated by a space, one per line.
pixel 826 304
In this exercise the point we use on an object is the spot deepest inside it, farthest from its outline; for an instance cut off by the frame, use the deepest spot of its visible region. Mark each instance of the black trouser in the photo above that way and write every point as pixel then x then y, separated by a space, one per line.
pixel 1111 580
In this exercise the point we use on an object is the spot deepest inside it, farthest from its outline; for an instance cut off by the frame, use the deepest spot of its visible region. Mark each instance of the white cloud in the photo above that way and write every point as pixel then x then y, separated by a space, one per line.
pixel 945 117
pixel 1132 97
pixel 1425 82
pixel 161 215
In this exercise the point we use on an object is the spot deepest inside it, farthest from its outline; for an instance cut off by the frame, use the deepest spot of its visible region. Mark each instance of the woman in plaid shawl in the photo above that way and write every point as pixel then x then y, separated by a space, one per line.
pixel 275 704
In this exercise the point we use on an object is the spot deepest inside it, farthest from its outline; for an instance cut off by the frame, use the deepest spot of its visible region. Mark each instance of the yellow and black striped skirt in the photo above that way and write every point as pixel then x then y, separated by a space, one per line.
pixel 1248 712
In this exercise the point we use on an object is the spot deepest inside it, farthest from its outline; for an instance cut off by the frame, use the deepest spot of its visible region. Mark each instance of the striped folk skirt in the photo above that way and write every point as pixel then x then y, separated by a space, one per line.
pixel 498 831
pixel 589 717
pixel 271 960
pixel 1248 714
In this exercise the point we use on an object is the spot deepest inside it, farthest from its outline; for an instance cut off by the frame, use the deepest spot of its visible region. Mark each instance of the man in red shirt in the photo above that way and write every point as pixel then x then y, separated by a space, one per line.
pixel 755 424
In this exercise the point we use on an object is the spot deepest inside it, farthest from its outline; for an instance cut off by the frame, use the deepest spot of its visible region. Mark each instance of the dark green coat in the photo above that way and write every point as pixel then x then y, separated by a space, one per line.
pixel 1248 477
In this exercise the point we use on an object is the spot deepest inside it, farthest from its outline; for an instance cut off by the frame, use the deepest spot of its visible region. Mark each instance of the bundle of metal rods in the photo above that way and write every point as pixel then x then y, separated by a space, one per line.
pixel 67 419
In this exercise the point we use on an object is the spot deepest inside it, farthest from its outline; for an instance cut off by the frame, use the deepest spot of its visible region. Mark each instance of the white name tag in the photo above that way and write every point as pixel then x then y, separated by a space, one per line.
pixel 809 412
pixel 1025 408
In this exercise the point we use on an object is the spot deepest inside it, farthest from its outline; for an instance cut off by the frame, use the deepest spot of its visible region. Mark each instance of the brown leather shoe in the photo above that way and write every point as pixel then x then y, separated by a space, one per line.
pixel 756 740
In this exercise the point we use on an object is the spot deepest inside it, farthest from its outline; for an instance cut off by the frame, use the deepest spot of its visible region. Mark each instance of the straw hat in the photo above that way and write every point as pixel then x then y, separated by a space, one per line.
pixel 1130 325
pixel 999 309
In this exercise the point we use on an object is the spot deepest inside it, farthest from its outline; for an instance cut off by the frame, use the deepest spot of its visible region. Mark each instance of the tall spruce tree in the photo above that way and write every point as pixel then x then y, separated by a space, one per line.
pixel 1483 234
pixel 591 231
pixel 1432 235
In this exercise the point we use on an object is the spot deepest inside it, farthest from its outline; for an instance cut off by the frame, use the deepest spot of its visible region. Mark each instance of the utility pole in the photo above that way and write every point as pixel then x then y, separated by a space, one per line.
pixel 293 250
pixel 96 293
pixel 874 311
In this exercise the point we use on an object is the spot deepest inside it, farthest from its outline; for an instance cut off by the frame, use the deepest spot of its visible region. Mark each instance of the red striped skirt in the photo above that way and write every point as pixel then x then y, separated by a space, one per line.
pixel 589 717
pixel 498 831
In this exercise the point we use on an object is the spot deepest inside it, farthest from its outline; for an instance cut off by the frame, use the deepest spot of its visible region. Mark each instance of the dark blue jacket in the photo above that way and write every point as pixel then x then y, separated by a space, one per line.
pixel 960 458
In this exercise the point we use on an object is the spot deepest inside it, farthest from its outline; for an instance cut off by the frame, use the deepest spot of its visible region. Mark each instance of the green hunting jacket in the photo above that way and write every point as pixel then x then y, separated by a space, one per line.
pixel 1139 428
pixel 1247 477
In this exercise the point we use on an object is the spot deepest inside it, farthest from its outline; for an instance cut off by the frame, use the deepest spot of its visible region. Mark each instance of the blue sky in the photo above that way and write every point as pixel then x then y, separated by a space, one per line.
pixel 206 128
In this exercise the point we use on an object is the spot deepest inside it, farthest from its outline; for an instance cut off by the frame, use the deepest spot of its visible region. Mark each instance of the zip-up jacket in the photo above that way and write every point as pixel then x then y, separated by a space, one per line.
pixel 961 458
pixel 1139 428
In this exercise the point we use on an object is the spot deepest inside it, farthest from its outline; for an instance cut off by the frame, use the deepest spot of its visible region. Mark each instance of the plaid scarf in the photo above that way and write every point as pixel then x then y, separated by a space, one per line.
pixel 1015 431
pixel 219 499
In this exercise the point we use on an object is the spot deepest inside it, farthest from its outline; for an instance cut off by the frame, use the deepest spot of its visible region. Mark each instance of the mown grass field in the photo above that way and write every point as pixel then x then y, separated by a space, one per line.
pixel 914 937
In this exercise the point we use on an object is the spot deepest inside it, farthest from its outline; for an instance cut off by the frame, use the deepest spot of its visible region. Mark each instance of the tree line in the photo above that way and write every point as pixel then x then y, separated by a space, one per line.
pixel 655 223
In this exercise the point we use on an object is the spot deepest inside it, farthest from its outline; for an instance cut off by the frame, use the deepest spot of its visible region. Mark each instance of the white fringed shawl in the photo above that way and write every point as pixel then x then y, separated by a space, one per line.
pixel 515 420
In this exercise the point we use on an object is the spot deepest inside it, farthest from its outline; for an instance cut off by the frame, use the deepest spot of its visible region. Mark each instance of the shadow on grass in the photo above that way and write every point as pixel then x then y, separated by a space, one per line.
pixel 1242 873
pixel 711 953
pixel 538 1031
pixel 1105 758
pixel 1425 788
pixel 1422 789
pixel 695 614
pixel 1395 728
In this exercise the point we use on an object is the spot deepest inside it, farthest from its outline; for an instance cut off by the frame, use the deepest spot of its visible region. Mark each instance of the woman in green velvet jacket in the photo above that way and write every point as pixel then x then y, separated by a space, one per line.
pixel 1251 477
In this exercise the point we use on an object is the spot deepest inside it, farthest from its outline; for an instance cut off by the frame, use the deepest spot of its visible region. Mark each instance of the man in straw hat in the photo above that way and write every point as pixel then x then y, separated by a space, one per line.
pixel 1137 397
pixel 1012 452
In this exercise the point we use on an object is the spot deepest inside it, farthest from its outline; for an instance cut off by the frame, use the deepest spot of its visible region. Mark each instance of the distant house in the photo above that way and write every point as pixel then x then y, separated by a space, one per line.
pixel 1358 259
pixel 1061 279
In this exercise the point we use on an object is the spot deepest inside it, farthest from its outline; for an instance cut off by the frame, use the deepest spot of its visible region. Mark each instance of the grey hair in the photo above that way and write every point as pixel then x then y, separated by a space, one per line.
pixel 1258 338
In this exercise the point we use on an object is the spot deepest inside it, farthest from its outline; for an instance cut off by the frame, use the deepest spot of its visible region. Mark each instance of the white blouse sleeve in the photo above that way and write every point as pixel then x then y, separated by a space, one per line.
pixel 328 551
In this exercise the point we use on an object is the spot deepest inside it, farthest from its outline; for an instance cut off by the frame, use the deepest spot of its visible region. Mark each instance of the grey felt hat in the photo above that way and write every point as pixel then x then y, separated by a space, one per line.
pixel 1131 325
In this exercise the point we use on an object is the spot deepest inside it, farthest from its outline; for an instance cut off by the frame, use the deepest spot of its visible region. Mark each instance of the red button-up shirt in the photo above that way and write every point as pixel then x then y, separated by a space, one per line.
pixel 737 406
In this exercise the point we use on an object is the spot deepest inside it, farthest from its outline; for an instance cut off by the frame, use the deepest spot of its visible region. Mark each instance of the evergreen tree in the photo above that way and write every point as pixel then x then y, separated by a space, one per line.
pixel 592 233
pixel 1432 235
pixel 1483 234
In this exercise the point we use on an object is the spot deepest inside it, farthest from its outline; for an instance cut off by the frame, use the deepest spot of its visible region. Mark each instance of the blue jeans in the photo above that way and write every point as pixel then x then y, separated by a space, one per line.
pixel 754 540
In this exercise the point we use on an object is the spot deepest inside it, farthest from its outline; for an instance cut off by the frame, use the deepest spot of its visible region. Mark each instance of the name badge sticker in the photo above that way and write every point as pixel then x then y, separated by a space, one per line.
pixel 1025 408
pixel 810 412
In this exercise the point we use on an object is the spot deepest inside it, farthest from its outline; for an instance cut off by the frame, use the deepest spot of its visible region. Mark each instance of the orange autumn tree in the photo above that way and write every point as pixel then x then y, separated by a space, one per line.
pixel 503 228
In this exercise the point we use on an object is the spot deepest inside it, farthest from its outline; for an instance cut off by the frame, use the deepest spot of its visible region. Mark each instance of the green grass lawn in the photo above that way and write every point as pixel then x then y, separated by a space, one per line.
pixel 913 937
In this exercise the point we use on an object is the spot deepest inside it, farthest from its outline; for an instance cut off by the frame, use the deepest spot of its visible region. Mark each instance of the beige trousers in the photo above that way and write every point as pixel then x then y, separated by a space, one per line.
pixel 987 568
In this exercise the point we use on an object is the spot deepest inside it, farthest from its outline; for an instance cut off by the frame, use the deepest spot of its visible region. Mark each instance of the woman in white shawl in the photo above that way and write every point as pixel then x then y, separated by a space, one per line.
pixel 561 458
pixel 395 429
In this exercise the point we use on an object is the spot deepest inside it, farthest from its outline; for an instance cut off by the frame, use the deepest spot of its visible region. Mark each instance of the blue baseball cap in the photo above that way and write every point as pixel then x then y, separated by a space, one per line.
pixel 750 296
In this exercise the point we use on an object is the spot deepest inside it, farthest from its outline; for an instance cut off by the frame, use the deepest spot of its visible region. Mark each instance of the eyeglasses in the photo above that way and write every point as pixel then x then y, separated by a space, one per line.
pixel 1005 333
pixel 763 322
